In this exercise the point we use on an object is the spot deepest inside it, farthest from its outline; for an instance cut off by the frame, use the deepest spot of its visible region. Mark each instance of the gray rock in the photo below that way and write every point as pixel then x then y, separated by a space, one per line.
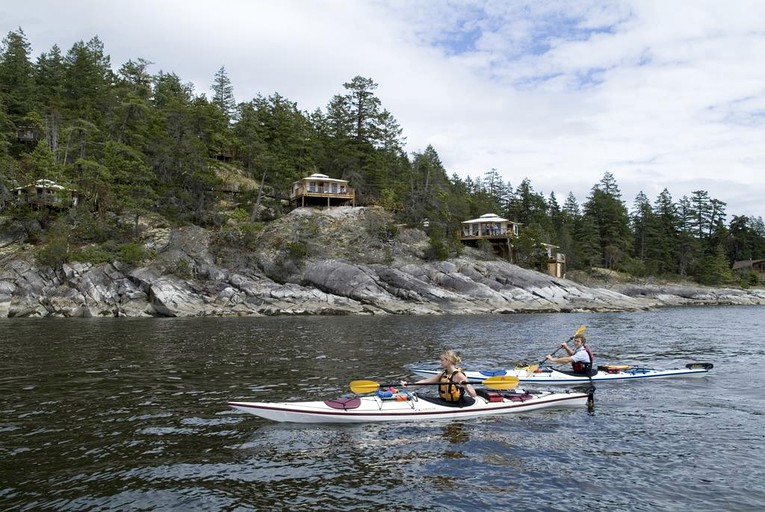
pixel 314 262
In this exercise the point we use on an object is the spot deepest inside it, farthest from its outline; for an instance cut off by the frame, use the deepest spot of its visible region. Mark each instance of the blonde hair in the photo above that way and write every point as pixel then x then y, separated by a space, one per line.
pixel 452 357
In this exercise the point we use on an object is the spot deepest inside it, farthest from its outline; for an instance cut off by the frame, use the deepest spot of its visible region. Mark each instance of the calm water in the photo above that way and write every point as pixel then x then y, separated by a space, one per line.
pixel 120 414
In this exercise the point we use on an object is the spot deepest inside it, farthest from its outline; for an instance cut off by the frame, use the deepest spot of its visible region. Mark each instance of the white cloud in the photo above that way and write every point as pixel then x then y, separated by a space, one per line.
pixel 661 94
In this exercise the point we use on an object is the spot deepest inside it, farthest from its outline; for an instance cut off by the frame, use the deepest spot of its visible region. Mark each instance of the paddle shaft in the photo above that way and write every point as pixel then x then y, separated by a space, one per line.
pixel 499 382
pixel 408 384
pixel 577 333
pixel 554 352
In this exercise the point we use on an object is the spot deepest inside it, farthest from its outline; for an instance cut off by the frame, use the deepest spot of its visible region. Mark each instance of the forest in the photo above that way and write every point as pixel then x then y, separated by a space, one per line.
pixel 135 144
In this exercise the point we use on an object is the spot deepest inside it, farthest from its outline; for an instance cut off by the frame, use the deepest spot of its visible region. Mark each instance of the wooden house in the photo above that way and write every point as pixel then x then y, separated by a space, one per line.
pixel 321 190
pixel 757 266
pixel 492 228
pixel 500 233
pixel 46 193
pixel 556 261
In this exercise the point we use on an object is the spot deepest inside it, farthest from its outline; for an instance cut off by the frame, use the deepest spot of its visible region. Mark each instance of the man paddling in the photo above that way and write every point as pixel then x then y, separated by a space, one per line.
pixel 580 357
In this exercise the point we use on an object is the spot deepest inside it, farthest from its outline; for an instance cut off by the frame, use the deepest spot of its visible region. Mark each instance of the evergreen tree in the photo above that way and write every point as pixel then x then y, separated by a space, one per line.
pixel 688 246
pixel 50 82
pixel 223 95
pixel 133 91
pixel 367 139
pixel 88 81
pixel 16 77
pixel 662 249
pixel 428 185
pixel 606 211
pixel 644 229
pixel 570 219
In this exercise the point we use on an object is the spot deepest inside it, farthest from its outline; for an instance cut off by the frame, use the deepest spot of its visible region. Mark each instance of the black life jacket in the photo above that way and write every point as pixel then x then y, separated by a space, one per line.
pixel 580 367
pixel 447 389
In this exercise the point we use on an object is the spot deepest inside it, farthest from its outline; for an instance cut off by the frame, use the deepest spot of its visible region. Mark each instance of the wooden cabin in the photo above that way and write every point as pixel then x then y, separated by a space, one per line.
pixel 556 261
pixel 757 266
pixel 321 190
pixel 492 228
pixel 46 193
pixel 489 225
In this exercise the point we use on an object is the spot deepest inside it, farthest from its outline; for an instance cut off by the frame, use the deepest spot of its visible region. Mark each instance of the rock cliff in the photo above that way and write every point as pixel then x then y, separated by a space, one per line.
pixel 311 262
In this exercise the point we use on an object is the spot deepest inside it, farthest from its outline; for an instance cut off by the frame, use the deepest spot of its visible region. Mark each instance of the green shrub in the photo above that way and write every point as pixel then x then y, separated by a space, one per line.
pixel 437 249
pixel 298 250
pixel 183 269
pixel 132 253
pixel 95 254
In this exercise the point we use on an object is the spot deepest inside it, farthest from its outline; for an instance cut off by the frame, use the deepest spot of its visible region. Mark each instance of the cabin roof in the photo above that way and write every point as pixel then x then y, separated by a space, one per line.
pixel 322 177
pixel 42 183
pixel 488 217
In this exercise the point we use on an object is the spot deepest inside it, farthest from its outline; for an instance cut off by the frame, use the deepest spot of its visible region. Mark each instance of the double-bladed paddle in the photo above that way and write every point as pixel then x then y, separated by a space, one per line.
pixel 498 382
pixel 531 369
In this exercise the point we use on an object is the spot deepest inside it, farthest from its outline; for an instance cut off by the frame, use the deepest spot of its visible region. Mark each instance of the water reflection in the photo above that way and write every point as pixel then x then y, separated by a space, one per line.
pixel 456 433
pixel 131 414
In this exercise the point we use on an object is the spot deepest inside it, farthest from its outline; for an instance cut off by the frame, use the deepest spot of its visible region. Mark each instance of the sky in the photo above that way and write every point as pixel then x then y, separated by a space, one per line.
pixel 663 94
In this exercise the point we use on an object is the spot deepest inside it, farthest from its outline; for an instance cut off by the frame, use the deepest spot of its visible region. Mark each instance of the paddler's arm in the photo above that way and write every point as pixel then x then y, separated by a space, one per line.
pixel 434 378
pixel 467 386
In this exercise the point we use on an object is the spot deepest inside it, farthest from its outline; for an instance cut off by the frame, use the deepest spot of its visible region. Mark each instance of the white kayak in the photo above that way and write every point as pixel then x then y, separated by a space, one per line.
pixel 366 409
pixel 605 373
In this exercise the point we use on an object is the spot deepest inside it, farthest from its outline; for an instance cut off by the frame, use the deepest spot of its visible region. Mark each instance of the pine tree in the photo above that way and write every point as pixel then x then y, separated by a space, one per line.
pixel 662 250
pixel 16 77
pixel 605 210
pixel 223 95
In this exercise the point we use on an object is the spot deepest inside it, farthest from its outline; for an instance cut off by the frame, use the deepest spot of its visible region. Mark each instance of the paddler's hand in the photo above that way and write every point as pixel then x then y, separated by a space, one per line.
pixel 403 383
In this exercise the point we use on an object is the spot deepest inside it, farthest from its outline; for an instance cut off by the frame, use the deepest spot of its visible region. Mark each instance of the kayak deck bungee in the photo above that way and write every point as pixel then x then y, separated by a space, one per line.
pixel 413 407
pixel 604 373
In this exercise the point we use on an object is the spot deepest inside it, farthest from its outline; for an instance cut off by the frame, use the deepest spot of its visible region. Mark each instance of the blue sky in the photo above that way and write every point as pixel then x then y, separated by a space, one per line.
pixel 662 94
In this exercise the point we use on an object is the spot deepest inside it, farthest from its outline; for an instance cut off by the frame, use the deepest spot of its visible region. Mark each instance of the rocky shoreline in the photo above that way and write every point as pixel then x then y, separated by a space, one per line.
pixel 387 276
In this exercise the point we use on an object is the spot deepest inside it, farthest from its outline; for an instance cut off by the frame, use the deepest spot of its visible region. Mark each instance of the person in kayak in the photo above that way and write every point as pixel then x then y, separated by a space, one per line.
pixel 453 383
pixel 581 358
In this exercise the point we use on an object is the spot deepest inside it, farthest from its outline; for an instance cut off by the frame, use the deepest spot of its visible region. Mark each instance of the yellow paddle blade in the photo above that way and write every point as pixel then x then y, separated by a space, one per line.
pixel 364 386
pixel 531 369
pixel 501 382
pixel 580 330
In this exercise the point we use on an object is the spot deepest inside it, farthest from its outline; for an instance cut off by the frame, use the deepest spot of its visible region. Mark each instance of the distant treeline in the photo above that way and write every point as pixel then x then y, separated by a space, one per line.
pixel 132 143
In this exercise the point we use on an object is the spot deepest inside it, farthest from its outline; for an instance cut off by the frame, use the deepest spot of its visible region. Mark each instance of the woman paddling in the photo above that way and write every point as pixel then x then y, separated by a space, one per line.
pixel 453 383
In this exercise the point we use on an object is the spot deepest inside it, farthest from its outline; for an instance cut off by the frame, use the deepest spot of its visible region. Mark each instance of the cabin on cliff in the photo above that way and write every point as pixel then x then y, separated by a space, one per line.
pixel 321 190
pixel 493 229
pixel 556 261
pixel 500 233
pixel 45 193
pixel 756 266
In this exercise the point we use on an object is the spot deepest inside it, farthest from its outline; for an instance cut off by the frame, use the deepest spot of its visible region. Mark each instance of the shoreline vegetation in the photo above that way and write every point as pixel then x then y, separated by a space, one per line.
pixel 125 192
pixel 336 261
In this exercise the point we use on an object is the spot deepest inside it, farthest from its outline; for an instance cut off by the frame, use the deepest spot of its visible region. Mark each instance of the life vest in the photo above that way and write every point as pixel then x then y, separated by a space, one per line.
pixel 580 367
pixel 447 389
